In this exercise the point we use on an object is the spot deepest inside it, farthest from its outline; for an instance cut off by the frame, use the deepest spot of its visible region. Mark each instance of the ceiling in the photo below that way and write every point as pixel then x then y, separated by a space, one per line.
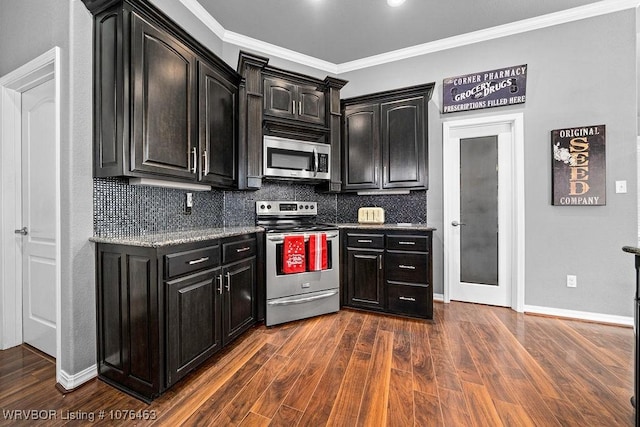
pixel 339 31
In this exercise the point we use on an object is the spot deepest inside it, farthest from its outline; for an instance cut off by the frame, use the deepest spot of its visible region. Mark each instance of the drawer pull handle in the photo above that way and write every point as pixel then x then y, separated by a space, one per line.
pixel 407 267
pixel 407 299
pixel 198 261
pixel 406 243
pixel 365 241
pixel 243 249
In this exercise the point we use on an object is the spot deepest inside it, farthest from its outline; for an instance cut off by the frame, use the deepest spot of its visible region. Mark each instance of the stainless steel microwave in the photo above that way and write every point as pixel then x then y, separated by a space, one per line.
pixel 292 159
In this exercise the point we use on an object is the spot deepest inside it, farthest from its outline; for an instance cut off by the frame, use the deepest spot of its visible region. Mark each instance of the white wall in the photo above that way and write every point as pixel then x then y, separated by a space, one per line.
pixel 580 73
pixel 29 28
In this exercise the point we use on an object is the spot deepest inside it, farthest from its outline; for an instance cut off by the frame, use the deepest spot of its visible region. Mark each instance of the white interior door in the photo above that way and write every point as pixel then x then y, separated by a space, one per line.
pixel 39 220
pixel 478 191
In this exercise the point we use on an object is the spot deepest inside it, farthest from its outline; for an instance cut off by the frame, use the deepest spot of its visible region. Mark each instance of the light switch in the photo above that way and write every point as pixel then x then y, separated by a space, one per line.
pixel 621 186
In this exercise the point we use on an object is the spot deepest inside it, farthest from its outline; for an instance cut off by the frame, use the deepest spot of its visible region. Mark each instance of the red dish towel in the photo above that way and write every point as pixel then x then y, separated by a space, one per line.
pixel 318 252
pixel 293 254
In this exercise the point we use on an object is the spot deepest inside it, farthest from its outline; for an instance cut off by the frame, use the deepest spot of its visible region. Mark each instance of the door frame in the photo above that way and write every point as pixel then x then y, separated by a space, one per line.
pixel 516 231
pixel 44 67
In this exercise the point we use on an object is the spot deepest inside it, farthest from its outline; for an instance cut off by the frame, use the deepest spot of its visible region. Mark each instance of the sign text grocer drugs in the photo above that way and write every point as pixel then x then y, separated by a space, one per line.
pixel 495 88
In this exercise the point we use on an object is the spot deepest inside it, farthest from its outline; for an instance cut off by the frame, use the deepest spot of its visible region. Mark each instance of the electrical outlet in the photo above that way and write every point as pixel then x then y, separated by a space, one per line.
pixel 188 204
pixel 621 187
pixel 572 281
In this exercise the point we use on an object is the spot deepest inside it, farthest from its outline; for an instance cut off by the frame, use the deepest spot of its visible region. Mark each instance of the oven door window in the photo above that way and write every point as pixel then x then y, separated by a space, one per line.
pixel 279 257
pixel 278 158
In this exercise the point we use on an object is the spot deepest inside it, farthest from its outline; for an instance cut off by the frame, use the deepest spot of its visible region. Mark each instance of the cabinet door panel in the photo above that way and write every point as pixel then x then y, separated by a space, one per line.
pixel 365 279
pixel 362 147
pixel 163 72
pixel 218 127
pixel 403 143
pixel 279 97
pixel 311 107
pixel 239 298
pixel 193 322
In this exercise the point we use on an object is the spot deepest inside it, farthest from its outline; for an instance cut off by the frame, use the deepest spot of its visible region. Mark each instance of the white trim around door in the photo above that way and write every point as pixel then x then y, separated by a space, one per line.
pixel 12 85
pixel 515 232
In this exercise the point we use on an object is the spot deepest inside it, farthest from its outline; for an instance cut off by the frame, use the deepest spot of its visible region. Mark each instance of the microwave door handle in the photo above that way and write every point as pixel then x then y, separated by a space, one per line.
pixel 315 162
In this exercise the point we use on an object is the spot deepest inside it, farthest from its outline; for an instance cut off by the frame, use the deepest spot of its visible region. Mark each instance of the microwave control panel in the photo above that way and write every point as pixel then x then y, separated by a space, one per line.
pixel 323 162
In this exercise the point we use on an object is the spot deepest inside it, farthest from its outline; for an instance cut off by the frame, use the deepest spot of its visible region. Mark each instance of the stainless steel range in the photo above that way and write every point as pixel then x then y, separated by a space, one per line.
pixel 302 261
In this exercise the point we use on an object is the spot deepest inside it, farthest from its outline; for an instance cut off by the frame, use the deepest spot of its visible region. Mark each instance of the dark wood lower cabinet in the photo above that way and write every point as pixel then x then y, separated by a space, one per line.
pixel 365 280
pixel 239 298
pixel 388 270
pixel 163 311
pixel 193 322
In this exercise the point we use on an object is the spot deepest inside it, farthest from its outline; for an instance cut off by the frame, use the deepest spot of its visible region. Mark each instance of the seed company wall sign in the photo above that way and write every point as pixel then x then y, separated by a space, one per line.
pixel 579 170
pixel 495 88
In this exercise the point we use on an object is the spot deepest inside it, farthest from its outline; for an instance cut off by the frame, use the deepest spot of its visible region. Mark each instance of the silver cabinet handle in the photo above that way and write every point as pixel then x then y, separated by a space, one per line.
pixel 22 231
pixel 407 267
pixel 456 223
pixel 380 262
pixel 228 286
pixel 407 299
pixel 406 243
pixel 198 261
pixel 195 160
pixel 300 107
pixel 243 249
pixel 220 284
pixel 205 169
pixel 294 107
pixel 365 241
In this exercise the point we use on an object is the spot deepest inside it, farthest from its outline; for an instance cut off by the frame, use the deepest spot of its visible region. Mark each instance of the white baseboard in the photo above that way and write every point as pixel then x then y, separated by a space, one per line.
pixel 569 314
pixel 69 381
pixel 582 315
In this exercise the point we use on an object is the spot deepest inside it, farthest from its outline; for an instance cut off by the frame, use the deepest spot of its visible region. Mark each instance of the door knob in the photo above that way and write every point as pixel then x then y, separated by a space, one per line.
pixel 22 231
pixel 456 223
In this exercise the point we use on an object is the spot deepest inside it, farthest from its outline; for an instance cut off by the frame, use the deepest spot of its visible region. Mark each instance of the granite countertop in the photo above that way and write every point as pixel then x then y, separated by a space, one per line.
pixel 177 237
pixel 631 250
pixel 389 226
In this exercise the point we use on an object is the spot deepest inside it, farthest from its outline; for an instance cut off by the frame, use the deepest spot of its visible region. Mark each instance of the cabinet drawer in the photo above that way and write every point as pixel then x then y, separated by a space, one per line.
pixel 408 243
pixel 238 249
pixel 407 267
pixel 410 300
pixel 358 240
pixel 189 261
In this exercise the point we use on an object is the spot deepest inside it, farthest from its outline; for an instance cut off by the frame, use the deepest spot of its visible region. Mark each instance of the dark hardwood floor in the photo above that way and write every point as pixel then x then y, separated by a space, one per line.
pixel 473 366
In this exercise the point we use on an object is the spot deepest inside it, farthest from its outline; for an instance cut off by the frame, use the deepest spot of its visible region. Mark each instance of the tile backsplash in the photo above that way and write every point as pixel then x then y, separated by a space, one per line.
pixel 122 210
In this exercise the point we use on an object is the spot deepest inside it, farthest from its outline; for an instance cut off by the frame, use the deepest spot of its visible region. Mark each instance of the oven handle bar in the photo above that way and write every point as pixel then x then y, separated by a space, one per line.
pixel 306 237
pixel 303 300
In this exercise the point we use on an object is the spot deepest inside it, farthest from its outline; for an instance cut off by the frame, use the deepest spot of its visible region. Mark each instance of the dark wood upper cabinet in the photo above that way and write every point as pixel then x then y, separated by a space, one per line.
pixel 163 73
pixel 218 126
pixel 404 143
pixel 361 147
pixel 385 140
pixel 286 104
pixel 286 99
pixel 164 106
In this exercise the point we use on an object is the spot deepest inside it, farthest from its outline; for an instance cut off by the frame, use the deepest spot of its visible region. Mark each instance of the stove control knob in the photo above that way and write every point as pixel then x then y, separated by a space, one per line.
pixel 312 207
pixel 301 206
pixel 262 207
pixel 268 206
pixel 306 206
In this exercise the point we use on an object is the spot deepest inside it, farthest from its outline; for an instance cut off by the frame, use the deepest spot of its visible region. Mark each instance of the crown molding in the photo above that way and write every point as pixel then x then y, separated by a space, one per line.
pixel 280 52
pixel 603 7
